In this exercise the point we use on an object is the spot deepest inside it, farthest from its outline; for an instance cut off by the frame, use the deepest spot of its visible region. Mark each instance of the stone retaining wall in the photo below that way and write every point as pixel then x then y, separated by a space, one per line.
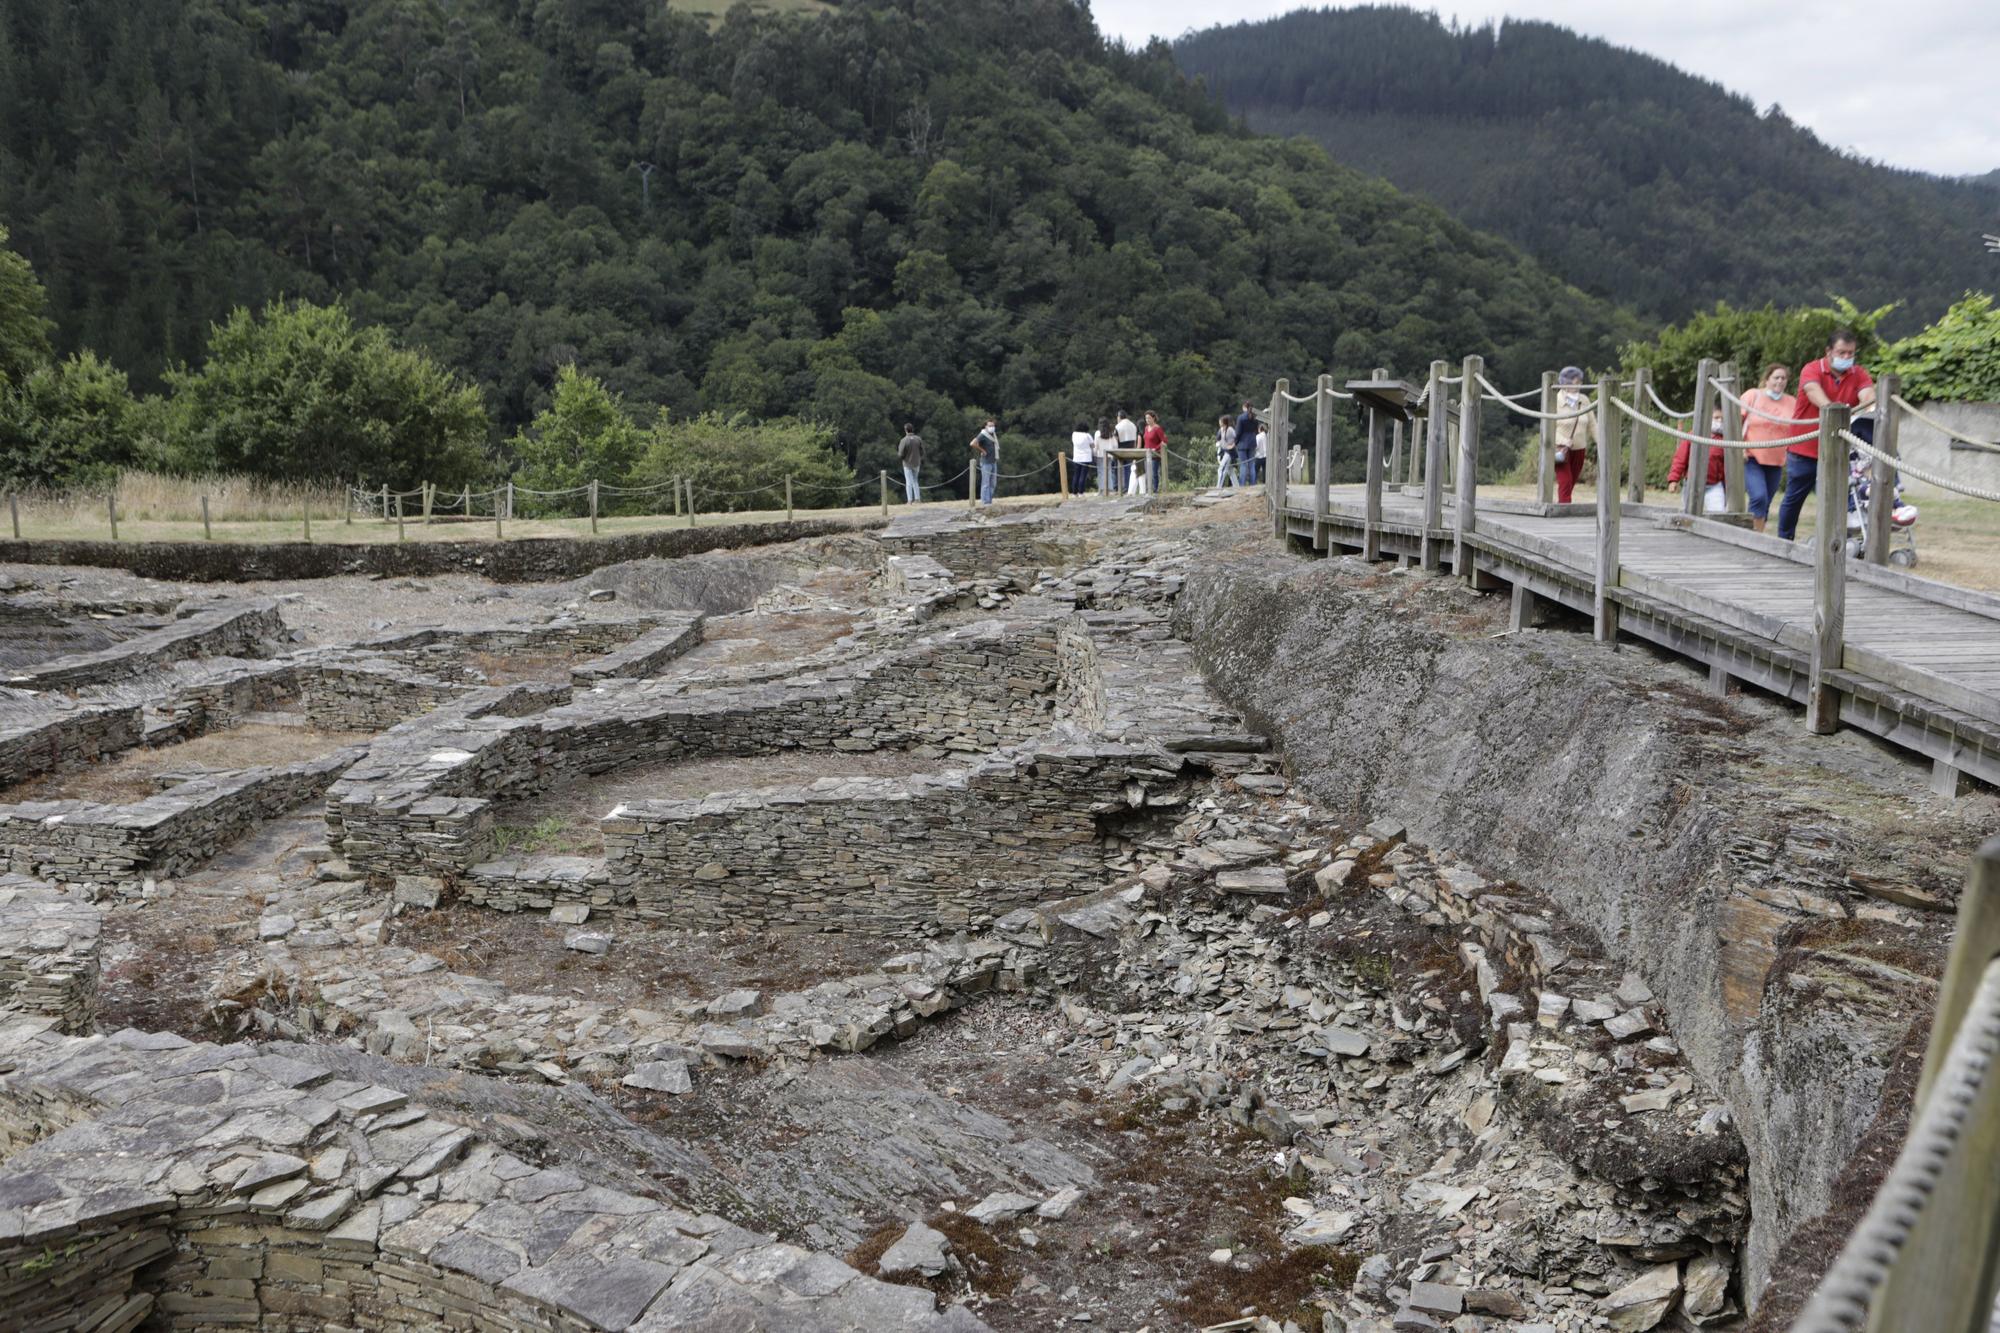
pixel 364 696
pixel 214 1186
pixel 521 560
pixel 176 830
pixel 44 745
pixel 48 955
pixel 969 690
pixel 231 629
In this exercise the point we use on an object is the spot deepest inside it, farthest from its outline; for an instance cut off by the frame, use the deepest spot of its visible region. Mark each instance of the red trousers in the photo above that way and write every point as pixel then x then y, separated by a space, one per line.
pixel 1568 470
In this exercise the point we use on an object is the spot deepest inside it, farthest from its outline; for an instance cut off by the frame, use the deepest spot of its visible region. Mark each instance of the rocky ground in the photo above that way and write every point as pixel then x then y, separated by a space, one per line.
pixel 1327 1051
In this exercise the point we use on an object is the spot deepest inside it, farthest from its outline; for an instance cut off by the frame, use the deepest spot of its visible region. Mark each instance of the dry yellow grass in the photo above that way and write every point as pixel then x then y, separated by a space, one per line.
pixel 146 497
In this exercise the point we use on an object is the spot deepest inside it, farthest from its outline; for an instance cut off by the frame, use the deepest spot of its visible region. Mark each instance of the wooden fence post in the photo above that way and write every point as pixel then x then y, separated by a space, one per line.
pixel 972 483
pixel 1635 480
pixel 788 497
pixel 1279 460
pixel 1062 475
pixel 1604 626
pixel 677 497
pixel 690 500
pixel 510 502
pixel 1881 475
pixel 1545 460
pixel 385 504
pixel 1465 518
pixel 1694 486
pixel 206 534
pixel 593 506
pixel 306 519
pixel 883 477
pixel 347 493
pixel 430 495
pixel 1435 426
pixel 399 518
pixel 499 532
pixel 1734 498
pixel 1322 457
pixel 1395 471
pixel 111 507
pixel 465 499
pixel 1829 572
pixel 14 513
pixel 1371 505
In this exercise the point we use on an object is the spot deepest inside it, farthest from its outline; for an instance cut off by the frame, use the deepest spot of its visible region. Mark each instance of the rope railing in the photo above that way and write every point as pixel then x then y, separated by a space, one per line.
pixel 1938 426
pixel 1903 465
pixel 1709 440
pixel 1493 394
pixel 1747 406
pixel 1661 404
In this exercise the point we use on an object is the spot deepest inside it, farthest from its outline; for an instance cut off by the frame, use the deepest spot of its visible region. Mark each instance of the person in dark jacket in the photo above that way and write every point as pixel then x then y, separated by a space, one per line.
pixel 1246 446
pixel 911 454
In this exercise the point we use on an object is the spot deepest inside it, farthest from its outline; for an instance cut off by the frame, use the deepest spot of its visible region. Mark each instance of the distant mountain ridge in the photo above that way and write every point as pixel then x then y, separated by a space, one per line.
pixel 1631 178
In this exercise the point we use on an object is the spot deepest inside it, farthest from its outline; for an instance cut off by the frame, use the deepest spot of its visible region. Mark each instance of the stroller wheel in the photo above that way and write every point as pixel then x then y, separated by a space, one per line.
pixel 1903 559
pixel 1854 549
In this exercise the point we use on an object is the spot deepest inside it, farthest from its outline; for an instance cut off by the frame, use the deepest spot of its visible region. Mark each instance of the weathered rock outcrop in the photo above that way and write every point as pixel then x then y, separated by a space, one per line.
pixel 1784 894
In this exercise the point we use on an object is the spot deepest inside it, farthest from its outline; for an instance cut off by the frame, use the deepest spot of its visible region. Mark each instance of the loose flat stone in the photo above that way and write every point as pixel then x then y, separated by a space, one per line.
pixel 1437 1298
pixel 1590 1011
pixel 1629 1024
pixel 1057 1205
pixel 1256 880
pixel 570 914
pixel 737 1004
pixel 276 926
pixel 1344 1042
pixel 1633 991
pixel 1000 1206
pixel 1550 1008
pixel 660 1076
pixel 1644 1301
pixel 587 941
pixel 919 1250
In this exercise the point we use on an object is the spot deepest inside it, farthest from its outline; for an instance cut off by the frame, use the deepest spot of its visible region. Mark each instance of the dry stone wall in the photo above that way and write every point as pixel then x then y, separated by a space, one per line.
pixel 231 629
pixel 48 954
pixel 211 1186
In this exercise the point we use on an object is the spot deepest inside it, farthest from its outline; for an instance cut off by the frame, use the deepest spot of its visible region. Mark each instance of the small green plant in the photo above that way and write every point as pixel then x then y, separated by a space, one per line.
pixel 46 1261
pixel 540 836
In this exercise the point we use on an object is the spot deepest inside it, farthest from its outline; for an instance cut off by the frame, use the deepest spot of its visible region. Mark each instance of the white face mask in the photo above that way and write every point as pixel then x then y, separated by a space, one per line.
pixel 1774 394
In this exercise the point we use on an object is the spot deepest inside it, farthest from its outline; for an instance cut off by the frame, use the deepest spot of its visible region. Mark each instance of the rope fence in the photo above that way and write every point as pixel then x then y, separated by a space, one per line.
pixel 1709 440
pixel 1507 402
pixel 1903 465
pixel 1661 404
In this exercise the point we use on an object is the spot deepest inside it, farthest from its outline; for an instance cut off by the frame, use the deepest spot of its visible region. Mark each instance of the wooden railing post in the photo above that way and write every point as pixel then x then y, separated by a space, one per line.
pixel 1371 504
pixel 206 534
pixel 348 493
pixel 1545 463
pixel 689 483
pixel 1695 484
pixel 788 496
pixel 1465 521
pixel 385 503
pixel 884 477
pixel 1881 475
pixel 306 518
pixel 14 513
pixel 399 518
pixel 593 506
pixel 1062 475
pixel 1735 499
pixel 1635 481
pixel 1829 571
pixel 1278 460
pixel 1322 458
pixel 1604 627
pixel 1430 556
pixel 430 493
pixel 1394 472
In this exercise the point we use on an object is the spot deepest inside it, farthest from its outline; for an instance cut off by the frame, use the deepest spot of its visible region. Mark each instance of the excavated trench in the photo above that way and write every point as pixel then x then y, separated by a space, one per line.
pixel 1786 896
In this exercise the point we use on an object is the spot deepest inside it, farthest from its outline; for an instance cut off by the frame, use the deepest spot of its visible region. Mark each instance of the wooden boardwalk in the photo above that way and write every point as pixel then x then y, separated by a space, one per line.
pixel 1919 662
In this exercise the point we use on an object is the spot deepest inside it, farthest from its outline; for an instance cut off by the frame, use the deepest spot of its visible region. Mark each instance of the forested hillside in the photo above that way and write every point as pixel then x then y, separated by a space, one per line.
pixel 900 208
pixel 1630 178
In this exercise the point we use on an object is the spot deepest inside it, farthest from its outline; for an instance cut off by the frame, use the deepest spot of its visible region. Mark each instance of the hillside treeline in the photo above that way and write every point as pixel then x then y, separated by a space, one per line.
pixel 1638 182
pixel 904 210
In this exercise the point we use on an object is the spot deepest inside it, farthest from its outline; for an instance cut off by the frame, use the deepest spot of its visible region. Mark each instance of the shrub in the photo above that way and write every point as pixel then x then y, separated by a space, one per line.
pixel 1956 360
pixel 736 463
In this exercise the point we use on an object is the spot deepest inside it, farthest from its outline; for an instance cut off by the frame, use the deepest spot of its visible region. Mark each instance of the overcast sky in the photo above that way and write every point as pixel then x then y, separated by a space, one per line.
pixel 1919 75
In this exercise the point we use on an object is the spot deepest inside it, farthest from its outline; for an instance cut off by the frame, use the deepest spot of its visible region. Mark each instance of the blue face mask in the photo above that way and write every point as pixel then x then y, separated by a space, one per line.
pixel 1841 364
pixel 1775 394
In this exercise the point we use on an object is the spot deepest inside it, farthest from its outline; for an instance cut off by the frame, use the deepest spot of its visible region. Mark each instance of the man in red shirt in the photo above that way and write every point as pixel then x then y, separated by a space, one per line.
pixel 1836 377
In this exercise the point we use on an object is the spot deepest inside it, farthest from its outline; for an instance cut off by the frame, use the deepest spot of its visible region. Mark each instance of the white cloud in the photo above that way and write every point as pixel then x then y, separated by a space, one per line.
pixel 1908 84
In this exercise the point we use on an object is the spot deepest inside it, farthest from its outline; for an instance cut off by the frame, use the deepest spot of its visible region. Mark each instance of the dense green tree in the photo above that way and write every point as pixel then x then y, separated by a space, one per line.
pixel 584 434
pixel 735 463
pixel 1629 177
pixel 72 423
pixel 301 392
pixel 1956 360
pixel 24 330
pixel 1752 339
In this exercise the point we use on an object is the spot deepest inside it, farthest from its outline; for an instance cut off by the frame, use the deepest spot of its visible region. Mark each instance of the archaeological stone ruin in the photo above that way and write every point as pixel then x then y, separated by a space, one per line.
pixel 1089 915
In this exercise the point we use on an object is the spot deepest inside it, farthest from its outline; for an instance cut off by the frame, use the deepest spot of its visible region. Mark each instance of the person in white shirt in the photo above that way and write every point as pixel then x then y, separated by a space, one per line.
pixel 1225 452
pixel 1263 449
pixel 1127 433
pixel 1080 458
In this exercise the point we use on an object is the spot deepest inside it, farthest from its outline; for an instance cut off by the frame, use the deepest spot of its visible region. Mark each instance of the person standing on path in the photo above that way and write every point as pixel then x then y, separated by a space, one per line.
pixel 1107 466
pixel 1225 452
pixel 986 453
pixel 1769 414
pixel 1261 467
pixel 1128 438
pixel 1246 446
pixel 1575 437
pixel 910 452
pixel 1837 377
pixel 1080 459
pixel 1155 442
pixel 1713 498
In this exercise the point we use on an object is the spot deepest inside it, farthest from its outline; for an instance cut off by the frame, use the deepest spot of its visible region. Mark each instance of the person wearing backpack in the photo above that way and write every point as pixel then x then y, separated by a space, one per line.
pixel 985 448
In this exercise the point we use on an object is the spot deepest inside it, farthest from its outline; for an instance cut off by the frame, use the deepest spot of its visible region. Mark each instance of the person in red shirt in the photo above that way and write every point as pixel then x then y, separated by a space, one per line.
pixel 1837 377
pixel 1712 497
pixel 1153 441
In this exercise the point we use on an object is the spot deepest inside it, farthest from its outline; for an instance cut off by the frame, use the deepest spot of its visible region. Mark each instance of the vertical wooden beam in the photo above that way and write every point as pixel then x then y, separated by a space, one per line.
pixel 347 493
pixel 593 506
pixel 1373 476
pixel 510 503
pixel 1277 462
pixel 206 534
pixel 884 478
pixel 971 483
pixel 1882 476
pixel 1430 555
pixel 385 503
pixel 111 507
pixel 1735 499
pixel 1545 462
pixel 689 483
pixel 1829 571
pixel 788 497
pixel 306 518
pixel 1465 521
pixel 1635 482
pixel 1604 627
pixel 399 518
pixel 1395 469
pixel 677 497
pixel 430 493
pixel 14 512
pixel 1695 484
pixel 1322 457
pixel 465 499
pixel 1062 474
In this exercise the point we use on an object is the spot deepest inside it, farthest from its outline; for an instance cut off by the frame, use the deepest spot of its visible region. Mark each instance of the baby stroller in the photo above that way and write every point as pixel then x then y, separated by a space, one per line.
pixel 1860 493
